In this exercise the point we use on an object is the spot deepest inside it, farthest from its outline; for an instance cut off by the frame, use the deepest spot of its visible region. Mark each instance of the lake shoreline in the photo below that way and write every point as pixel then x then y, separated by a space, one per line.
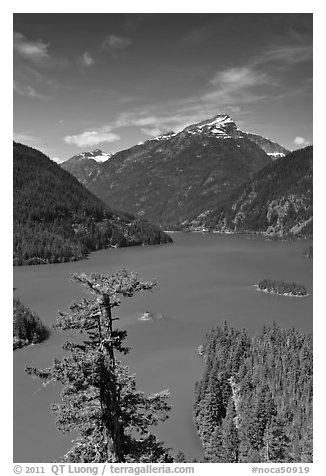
pixel 267 236
pixel 202 280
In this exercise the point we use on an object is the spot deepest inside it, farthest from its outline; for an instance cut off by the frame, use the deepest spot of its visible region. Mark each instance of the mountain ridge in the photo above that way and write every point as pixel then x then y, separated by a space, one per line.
pixel 56 219
pixel 278 200
pixel 174 177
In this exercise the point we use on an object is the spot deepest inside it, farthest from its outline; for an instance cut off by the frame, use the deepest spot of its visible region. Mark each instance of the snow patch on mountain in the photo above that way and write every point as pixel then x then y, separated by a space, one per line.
pixel 97 155
pixel 221 126
pixel 165 136
pixel 276 155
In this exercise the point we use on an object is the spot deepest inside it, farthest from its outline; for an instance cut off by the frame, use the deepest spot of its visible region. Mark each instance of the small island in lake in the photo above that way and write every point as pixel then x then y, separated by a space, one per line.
pixel 27 326
pixel 146 316
pixel 308 252
pixel 149 316
pixel 281 287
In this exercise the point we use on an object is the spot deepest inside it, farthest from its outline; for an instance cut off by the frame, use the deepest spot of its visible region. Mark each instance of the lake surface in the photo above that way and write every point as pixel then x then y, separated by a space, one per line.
pixel 203 279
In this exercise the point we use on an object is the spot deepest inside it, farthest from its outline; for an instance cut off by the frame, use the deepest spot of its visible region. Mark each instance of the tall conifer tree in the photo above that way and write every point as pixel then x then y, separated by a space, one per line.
pixel 99 396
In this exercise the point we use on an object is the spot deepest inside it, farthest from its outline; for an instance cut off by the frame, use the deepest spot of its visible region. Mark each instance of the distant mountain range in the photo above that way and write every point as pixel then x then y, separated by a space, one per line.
pixel 175 177
pixel 278 200
pixel 56 219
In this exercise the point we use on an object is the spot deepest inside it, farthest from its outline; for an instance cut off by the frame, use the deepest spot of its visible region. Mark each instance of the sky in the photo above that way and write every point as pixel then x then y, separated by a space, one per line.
pixel 109 81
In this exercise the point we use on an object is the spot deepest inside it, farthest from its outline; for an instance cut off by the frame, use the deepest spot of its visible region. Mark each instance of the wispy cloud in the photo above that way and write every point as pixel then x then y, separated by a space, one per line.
pixel 27 91
pixel 87 60
pixel 157 119
pixel 232 90
pixel 115 42
pixel 286 55
pixel 153 132
pixel 91 138
pixel 227 90
pixel 237 85
pixel 239 77
pixel 167 120
pixel 32 62
pixel 35 50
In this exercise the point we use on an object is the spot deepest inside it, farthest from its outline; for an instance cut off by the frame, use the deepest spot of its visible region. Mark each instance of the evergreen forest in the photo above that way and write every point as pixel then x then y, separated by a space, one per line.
pixel 281 287
pixel 277 200
pixel 56 219
pixel 254 400
pixel 27 326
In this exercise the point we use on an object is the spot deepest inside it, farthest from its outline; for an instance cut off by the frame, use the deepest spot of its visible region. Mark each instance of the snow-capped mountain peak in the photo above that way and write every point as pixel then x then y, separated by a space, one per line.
pixel 221 126
pixel 220 119
pixel 97 155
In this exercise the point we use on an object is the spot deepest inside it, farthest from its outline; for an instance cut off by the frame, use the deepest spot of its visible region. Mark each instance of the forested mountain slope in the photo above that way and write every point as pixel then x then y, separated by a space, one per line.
pixel 278 200
pixel 254 401
pixel 56 219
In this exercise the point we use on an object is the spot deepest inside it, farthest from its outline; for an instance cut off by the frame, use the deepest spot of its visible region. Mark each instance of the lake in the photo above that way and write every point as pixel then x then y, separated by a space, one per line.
pixel 203 279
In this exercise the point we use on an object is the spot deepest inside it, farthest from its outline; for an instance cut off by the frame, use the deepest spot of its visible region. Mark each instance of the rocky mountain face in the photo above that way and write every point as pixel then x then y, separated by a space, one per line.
pixel 278 200
pixel 175 177
pixel 274 150
pixel 57 219
pixel 98 155
pixel 86 166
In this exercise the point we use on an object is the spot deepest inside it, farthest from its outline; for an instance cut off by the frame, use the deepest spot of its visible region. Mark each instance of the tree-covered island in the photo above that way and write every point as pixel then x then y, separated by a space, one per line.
pixel 281 287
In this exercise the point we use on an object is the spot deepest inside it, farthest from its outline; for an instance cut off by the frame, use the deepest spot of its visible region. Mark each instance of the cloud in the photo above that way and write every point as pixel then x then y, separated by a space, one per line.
pixel 233 109
pixel 114 43
pixel 157 124
pixel 235 78
pixel 144 121
pixel 249 83
pixel 226 91
pixel 155 131
pixel 231 90
pixel 290 55
pixel 91 138
pixel 237 85
pixel 33 50
pixel 27 91
pixel 87 59
pixel 301 141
